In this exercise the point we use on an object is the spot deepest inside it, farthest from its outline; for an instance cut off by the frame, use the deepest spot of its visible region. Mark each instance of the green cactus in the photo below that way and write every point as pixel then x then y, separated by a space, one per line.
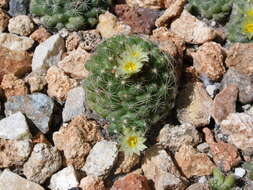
pixel 72 14
pixel 132 84
pixel 220 182
pixel 217 10
pixel 240 26
pixel 249 167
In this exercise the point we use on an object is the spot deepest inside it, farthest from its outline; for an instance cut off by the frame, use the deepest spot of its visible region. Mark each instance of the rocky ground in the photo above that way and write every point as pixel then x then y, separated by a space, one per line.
pixel 49 140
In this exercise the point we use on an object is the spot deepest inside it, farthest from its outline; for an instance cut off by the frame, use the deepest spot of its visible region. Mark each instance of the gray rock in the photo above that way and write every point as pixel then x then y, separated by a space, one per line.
pixel 48 53
pixel 75 104
pixel 18 7
pixel 198 186
pixel 239 172
pixel 243 82
pixel 14 127
pixel 172 137
pixel 64 179
pixel 37 107
pixel 101 159
pixel 203 147
pixel 43 162
pixel 12 181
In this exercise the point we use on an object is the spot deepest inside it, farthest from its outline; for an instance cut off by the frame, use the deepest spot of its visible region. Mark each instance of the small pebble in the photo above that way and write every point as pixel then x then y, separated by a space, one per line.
pixel 203 147
pixel 239 172
pixel 212 89
pixel 202 179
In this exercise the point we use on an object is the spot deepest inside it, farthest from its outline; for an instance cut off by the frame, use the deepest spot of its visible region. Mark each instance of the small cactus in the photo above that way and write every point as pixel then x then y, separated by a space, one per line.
pixel 132 84
pixel 240 25
pixel 220 182
pixel 72 14
pixel 217 10
pixel 249 167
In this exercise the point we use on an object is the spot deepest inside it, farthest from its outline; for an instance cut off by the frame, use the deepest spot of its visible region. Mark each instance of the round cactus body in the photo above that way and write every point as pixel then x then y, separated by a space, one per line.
pixel 132 83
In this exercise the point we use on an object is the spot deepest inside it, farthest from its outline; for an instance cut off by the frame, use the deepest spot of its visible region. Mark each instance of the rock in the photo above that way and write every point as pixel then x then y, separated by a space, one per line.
pixel 15 62
pixel 101 159
pixel 239 172
pixel 37 107
pixel 108 26
pixel 240 58
pixel 43 162
pixel 59 84
pixel 21 25
pixel 73 64
pixel 18 7
pixel 40 35
pixel 130 182
pixel 198 186
pixel 209 59
pixel 48 53
pixel 126 163
pixel 92 183
pixel 36 80
pixel 14 127
pixel 4 3
pixel 192 30
pixel 141 20
pixel 14 42
pixel 173 137
pixel 64 179
pixel 77 139
pixel 203 147
pixel 194 105
pixel 243 82
pixel 212 89
pixel 75 104
pixel 239 128
pixel 173 11
pixel 13 86
pixel 14 152
pixel 224 103
pixel 193 163
pixel 224 155
pixel 12 181
pixel 158 166
pixel 151 4
pixel 73 41
pixel 4 19
pixel 89 39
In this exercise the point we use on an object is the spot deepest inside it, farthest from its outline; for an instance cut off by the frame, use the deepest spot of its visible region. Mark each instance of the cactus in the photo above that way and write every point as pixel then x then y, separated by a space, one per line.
pixel 72 14
pixel 240 25
pixel 217 10
pixel 249 167
pixel 132 84
pixel 220 182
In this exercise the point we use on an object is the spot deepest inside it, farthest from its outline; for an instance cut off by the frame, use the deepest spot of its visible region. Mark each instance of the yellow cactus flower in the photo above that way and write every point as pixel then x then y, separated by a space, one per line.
pixel 135 52
pixel 247 27
pixel 129 66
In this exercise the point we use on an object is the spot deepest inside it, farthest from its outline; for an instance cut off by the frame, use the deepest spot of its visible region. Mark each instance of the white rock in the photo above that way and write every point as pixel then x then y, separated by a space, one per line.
pixel 202 179
pixel 15 42
pixel 212 89
pixel 48 53
pixel 75 104
pixel 14 127
pixel 64 179
pixel 12 181
pixel 101 159
pixel 239 172
pixel 21 25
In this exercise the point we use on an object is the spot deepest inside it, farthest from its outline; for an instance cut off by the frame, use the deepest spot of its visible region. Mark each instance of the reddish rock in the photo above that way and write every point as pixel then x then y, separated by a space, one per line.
pixel 40 35
pixel 240 58
pixel 208 60
pixel 151 4
pixel 14 62
pixel 13 86
pixel 76 140
pixel 92 183
pixel 224 103
pixel 239 128
pixel 192 30
pixel 193 163
pixel 4 19
pixel 172 11
pixel 225 155
pixel 194 105
pixel 141 20
pixel 130 182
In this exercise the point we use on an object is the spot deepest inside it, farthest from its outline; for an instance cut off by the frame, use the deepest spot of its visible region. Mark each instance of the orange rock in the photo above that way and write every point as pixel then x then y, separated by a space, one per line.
pixel 92 183
pixel 15 62
pixel 131 182
pixel 40 35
